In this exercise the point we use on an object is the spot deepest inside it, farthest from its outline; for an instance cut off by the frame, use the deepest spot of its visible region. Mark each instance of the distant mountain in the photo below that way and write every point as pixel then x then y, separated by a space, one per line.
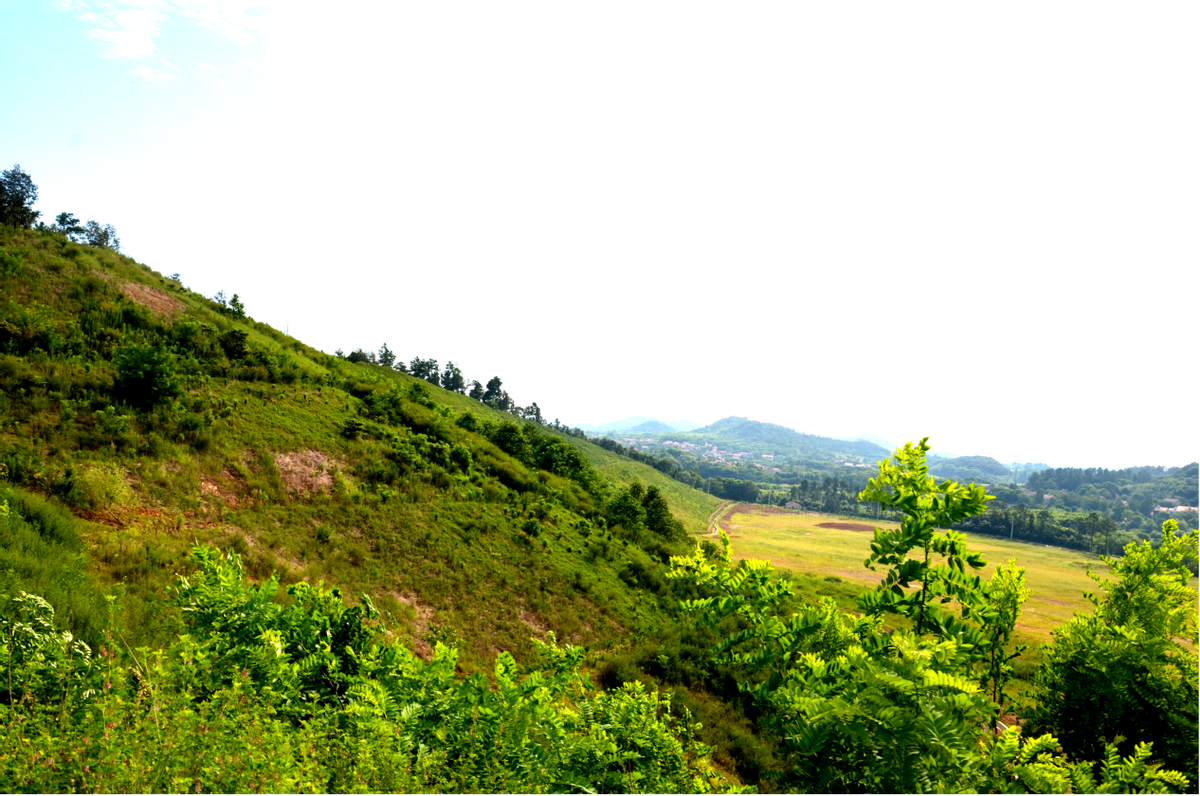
pixel 786 439
pixel 969 468
pixel 878 440
pixel 652 427
pixel 617 425
pixel 644 425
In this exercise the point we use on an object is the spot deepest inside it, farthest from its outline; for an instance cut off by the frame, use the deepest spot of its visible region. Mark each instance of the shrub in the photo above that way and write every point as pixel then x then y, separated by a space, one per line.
pixel 102 485
pixel 1123 672
pixel 145 375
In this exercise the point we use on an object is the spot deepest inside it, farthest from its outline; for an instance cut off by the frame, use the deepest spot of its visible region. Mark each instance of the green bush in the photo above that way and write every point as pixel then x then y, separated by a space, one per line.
pixel 145 375
pixel 259 696
pixel 1122 675
pixel 103 485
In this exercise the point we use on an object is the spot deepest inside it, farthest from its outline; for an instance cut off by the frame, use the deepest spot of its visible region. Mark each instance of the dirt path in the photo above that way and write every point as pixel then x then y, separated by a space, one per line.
pixel 714 519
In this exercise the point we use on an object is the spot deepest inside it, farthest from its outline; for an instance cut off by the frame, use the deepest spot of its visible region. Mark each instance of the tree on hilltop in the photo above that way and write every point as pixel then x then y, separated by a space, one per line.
pixel 103 236
pixel 68 224
pixel 426 369
pixel 387 357
pixel 17 195
pixel 495 396
pixel 452 378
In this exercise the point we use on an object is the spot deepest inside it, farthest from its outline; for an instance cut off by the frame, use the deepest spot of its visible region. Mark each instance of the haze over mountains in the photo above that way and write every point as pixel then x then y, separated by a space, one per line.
pixel 760 436
pixel 646 425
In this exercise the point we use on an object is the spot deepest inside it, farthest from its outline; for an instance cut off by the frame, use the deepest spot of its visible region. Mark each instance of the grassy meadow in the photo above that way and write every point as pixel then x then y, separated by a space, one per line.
pixel 829 561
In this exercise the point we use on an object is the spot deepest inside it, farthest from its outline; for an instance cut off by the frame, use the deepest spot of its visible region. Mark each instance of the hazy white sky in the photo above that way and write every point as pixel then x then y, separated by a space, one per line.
pixel 974 223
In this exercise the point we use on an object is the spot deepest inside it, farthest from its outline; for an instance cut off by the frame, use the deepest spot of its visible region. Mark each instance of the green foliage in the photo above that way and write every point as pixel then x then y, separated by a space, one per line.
pixel 94 234
pixel 263 697
pixel 906 486
pixel 658 517
pixel 41 552
pixel 101 486
pixel 626 510
pixel 17 195
pixel 145 375
pixel 858 708
pixel 1017 765
pixel 997 614
pixel 1124 672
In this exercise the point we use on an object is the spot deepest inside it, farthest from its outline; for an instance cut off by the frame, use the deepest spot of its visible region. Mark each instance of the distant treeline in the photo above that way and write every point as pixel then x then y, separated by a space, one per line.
pixel 1072 478
pixel 1092 532
pixel 450 377
pixel 1136 498
pixel 832 495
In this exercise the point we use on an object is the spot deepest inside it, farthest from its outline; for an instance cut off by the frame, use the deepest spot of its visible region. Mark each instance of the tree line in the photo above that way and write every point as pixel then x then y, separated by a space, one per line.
pixel 17 196
pixel 450 377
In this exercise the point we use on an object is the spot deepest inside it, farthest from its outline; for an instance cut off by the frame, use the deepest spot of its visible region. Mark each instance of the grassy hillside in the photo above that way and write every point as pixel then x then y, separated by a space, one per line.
pixel 307 465
pixel 142 425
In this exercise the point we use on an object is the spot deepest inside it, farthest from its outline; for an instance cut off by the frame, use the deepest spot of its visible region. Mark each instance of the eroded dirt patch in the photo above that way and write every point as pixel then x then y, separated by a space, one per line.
pixel 847 526
pixel 221 488
pixel 422 615
pixel 154 300
pixel 305 472
pixel 532 621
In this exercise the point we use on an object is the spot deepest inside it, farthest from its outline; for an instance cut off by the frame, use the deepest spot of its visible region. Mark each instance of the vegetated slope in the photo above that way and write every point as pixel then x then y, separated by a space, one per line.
pixel 161 419
pixel 969 468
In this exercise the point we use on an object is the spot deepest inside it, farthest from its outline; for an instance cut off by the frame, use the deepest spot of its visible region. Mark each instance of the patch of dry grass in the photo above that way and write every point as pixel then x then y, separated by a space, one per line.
pixel 797 542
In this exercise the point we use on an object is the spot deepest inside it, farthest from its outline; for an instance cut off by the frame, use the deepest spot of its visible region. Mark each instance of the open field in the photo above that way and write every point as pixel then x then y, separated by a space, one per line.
pixel 799 543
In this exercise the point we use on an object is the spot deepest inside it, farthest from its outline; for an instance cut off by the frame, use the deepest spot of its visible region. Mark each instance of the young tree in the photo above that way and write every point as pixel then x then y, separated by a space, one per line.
pixel 495 397
pixel 426 369
pixel 906 486
pixel 532 412
pixel 493 391
pixel 145 375
pixel 68 224
pixel 236 307
pixel 476 391
pixel 659 518
pixel 102 236
pixel 452 378
pixel 386 357
pixel 17 195
pixel 626 509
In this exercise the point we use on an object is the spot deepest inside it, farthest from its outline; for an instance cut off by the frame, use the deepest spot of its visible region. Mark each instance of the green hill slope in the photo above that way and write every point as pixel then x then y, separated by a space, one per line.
pixel 153 418
pixel 783 440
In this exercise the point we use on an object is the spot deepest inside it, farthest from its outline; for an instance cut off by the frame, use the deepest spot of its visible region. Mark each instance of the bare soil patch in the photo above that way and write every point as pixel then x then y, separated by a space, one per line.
pixel 422 614
pixel 305 472
pixel 219 490
pixel 531 621
pixel 847 526
pixel 154 300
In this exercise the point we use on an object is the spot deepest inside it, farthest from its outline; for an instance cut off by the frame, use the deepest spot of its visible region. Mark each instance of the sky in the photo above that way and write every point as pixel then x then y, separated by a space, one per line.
pixel 973 223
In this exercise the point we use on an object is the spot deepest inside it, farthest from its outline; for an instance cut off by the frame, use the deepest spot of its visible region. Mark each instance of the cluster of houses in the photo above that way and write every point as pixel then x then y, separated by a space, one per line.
pixel 1173 505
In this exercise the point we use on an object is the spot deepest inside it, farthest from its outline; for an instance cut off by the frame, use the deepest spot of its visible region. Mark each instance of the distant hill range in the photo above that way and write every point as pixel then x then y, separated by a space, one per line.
pixel 740 434
pixel 641 425
pixel 983 469
pixel 878 440
pixel 786 440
